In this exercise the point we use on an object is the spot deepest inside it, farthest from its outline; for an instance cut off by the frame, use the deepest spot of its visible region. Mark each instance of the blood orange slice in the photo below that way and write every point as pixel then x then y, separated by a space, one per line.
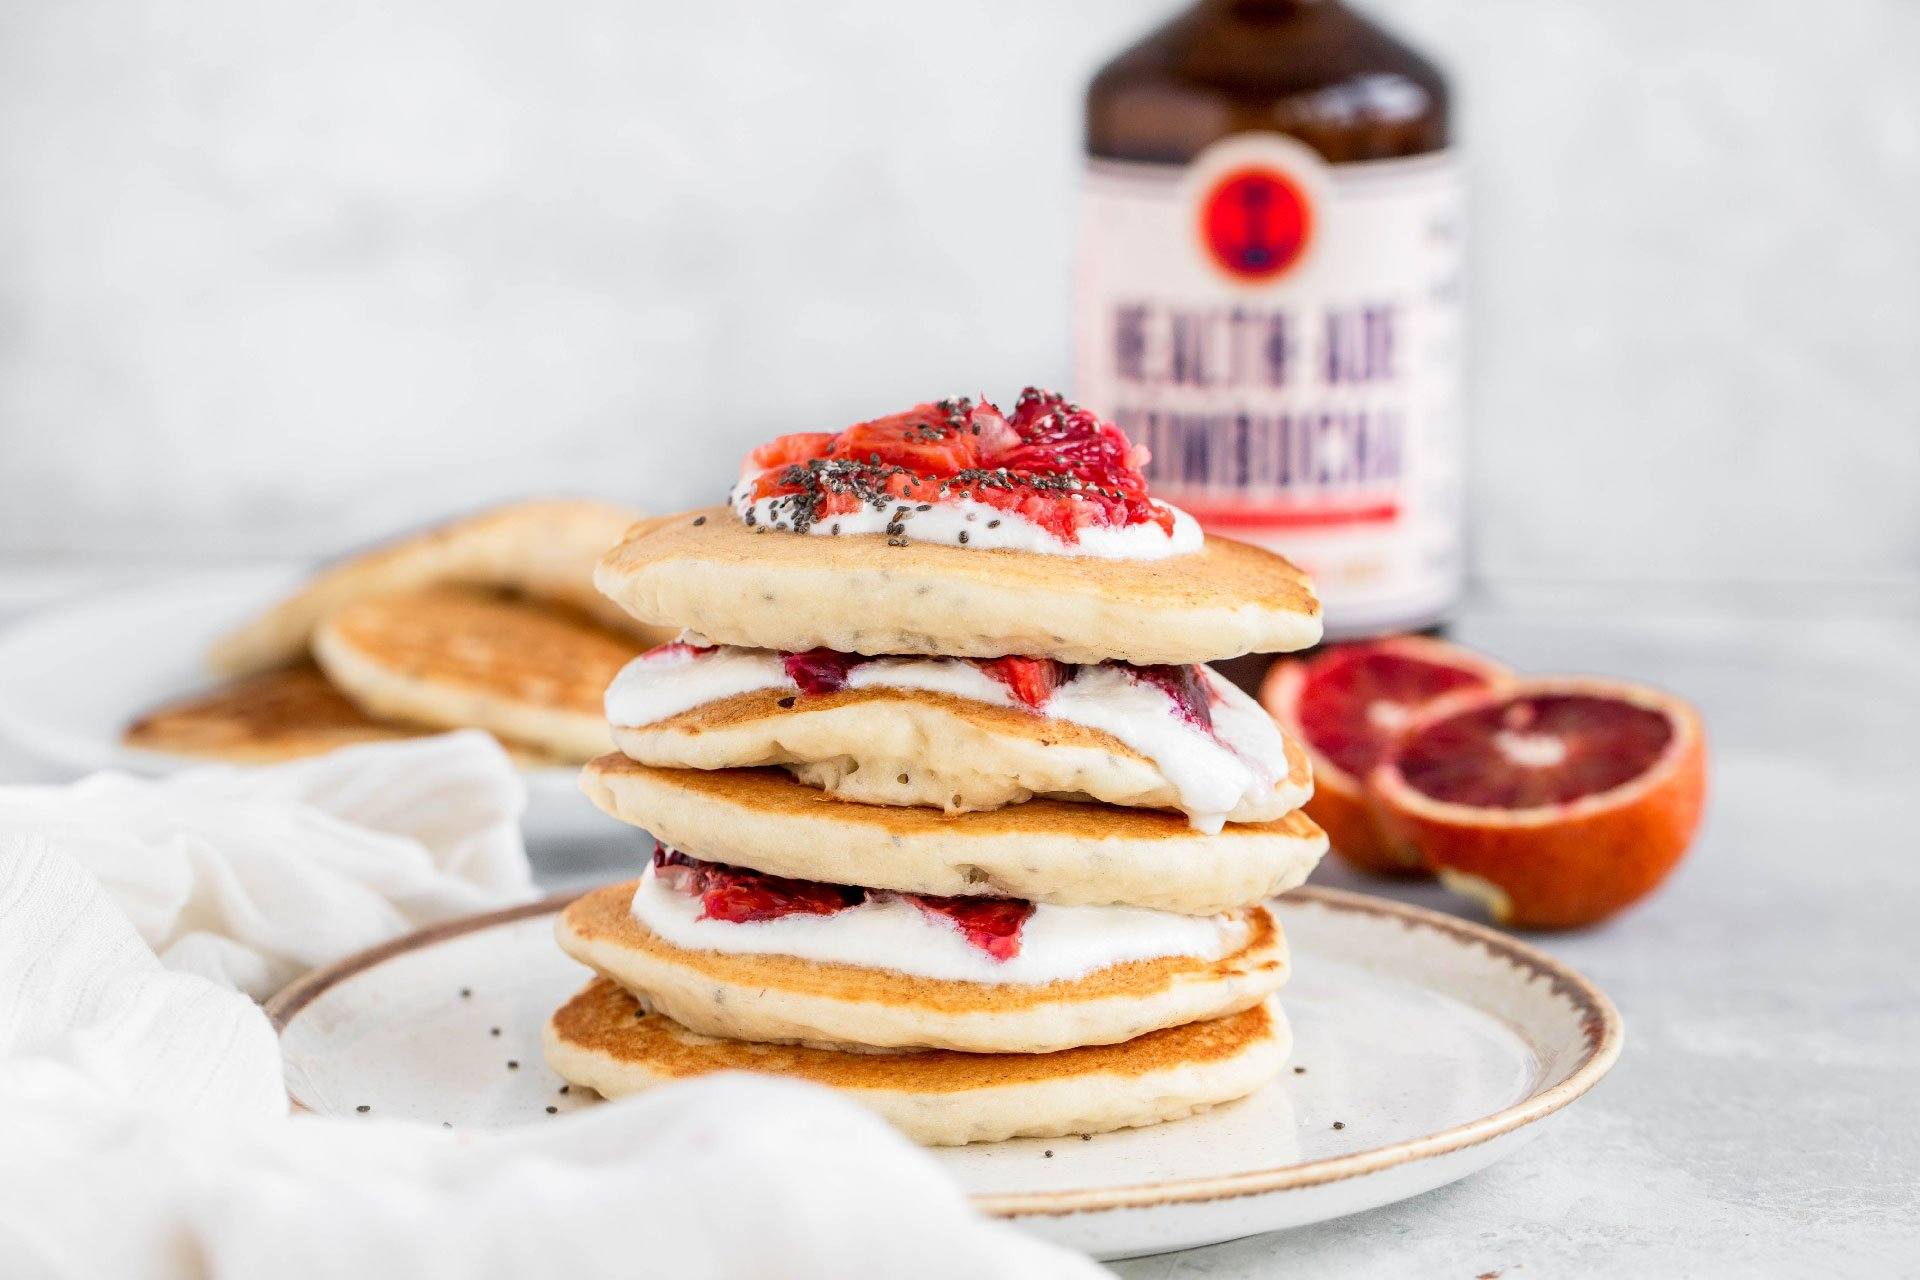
pixel 1346 705
pixel 1557 801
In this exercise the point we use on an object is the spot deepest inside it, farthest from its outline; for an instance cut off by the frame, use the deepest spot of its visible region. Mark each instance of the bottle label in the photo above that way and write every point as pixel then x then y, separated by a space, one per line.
pixel 1285 336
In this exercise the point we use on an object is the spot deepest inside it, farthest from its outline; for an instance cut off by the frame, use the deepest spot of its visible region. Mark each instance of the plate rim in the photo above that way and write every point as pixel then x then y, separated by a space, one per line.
pixel 1601 1027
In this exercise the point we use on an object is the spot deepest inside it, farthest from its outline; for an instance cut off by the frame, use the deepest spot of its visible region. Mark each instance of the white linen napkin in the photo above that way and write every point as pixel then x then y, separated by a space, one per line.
pixel 142 1117
pixel 253 876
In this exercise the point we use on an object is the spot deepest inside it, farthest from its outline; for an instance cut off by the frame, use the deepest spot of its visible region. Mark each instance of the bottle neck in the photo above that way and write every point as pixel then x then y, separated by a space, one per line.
pixel 1261 9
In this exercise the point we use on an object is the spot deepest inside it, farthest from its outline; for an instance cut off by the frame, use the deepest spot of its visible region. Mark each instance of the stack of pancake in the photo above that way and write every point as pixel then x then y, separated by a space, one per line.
pixel 967 834
pixel 490 622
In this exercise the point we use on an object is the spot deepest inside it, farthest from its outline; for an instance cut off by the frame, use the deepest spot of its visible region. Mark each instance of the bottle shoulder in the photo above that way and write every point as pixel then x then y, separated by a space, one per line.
pixel 1317 72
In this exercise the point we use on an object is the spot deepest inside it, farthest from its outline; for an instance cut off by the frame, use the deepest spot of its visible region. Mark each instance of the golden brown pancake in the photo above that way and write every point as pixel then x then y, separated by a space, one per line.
pixel 707 571
pixel 1043 850
pixel 545 549
pixel 459 657
pixel 919 747
pixel 276 715
pixel 786 998
pixel 605 1040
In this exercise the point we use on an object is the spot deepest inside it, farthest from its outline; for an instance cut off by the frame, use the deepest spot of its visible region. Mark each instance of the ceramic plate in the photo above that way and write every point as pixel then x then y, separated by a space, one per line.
pixel 71 678
pixel 1425 1048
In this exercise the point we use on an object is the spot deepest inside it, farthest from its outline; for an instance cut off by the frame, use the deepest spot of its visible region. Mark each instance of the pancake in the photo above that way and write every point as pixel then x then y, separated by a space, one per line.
pixel 457 657
pixel 745 996
pixel 280 715
pixel 892 746
pixel 707 571
pixel 1043 850
pixel 544 549
pixel 260 719
pixel 604 1040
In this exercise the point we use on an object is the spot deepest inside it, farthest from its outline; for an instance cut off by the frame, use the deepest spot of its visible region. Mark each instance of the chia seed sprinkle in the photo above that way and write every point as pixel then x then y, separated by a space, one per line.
pixel 363 1108
pixel 699 520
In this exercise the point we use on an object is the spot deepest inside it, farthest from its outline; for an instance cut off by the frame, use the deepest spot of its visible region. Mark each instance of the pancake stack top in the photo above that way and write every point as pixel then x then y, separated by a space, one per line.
pixel 949 813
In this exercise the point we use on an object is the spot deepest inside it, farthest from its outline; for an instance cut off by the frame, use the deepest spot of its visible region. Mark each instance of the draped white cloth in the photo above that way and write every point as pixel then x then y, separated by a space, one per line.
pixel 143 1122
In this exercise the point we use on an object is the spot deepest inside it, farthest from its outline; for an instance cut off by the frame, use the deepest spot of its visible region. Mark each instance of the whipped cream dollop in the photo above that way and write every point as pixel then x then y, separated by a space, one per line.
pixel 888 932
pixel 963 522
pixel 1211 772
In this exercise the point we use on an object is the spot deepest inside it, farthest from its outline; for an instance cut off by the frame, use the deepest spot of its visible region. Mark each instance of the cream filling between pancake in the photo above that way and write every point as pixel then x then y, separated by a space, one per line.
pixel 888 932
pixel 964 522
pixel 1212 773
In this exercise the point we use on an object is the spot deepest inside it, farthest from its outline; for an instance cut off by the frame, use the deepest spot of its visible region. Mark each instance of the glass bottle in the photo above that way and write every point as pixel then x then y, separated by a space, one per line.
pixel 1269 293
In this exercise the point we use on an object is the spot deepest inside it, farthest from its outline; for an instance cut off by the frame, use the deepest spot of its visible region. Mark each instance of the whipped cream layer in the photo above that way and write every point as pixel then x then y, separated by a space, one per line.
pixel 887 932
pixel 958 522
pixel 1211 772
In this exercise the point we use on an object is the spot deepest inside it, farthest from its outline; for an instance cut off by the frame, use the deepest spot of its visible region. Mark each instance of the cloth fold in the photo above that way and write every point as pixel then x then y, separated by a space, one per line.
pixel 253 876
pixel 143 1125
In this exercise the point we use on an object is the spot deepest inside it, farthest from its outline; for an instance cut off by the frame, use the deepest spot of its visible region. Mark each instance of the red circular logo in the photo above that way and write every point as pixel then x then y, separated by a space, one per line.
pixel 1256 223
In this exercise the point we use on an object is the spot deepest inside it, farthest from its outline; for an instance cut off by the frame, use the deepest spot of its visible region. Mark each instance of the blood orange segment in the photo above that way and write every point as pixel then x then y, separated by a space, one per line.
pixel 1538 749
pixel 1346 705
pixel 1558 801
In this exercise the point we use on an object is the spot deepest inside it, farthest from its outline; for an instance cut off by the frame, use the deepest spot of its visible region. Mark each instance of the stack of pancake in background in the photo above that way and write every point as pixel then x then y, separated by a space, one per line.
pixel 989 896
pixel 490 622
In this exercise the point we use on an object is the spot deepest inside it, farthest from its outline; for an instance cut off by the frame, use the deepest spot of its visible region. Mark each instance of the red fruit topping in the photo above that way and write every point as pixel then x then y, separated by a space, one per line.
pixel 1030 680
pixel 991 924
pixel 928 439
pixel 678 649
pixel 786 450
pixel 819 671
pixel 1192 696
pixel 1059 437
pixel 1054 464
pixel 737 895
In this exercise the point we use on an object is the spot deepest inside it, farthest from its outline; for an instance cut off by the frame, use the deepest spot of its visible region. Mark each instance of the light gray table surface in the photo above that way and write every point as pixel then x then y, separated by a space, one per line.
pixel 1763 1118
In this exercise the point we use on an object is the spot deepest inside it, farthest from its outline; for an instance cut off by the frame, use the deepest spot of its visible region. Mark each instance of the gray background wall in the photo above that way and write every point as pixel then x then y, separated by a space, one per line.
pixel 276 276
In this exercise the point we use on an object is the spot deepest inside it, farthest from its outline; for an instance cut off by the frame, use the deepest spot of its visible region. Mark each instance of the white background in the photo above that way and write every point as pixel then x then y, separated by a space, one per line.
pixel 275 277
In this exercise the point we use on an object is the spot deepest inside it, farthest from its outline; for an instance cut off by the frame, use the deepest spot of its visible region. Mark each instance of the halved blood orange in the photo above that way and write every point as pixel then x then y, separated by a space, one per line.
pixel 1346 705
pixel 1556 800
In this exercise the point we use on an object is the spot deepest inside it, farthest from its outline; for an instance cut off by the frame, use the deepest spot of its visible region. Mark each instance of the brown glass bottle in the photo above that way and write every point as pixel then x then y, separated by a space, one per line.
pixel 1311 69
pixel 1268 293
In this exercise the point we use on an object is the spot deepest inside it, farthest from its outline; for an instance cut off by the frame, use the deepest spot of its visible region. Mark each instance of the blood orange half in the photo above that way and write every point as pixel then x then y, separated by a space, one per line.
pixel 1557 801
pixel 1346 705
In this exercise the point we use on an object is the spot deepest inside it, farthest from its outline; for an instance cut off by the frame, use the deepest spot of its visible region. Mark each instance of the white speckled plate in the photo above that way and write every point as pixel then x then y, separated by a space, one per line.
pixel 1425 1049
pixel 71 680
